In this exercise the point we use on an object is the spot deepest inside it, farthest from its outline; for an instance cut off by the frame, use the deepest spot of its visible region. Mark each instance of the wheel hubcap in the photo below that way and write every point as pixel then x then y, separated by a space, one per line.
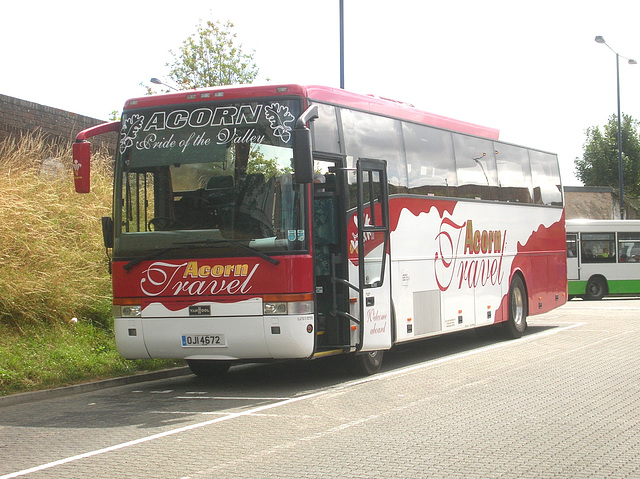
pixel 517 307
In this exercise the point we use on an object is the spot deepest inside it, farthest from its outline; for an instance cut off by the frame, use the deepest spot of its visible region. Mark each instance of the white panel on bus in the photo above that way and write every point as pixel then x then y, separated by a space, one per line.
pixel 426 312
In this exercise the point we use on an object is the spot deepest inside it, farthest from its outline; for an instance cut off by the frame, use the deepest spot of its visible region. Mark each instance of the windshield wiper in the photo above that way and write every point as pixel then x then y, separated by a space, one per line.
pixel 155 254
pixel 258 253
pixel 195 244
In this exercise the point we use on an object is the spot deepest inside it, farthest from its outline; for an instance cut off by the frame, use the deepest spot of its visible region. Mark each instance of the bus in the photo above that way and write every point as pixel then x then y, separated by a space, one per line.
pixel 256 223
pixel 603 257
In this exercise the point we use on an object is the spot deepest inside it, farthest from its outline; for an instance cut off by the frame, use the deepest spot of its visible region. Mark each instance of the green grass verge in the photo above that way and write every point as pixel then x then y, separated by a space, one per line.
pixel 38 357
pixel 53 268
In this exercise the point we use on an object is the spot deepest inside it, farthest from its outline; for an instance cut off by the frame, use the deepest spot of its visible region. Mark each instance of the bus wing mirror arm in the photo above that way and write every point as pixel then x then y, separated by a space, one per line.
pixel 310 114
pixel 302 153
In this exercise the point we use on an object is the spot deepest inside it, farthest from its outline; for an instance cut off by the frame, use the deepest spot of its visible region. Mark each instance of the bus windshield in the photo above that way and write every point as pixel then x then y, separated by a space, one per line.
pixel 208 172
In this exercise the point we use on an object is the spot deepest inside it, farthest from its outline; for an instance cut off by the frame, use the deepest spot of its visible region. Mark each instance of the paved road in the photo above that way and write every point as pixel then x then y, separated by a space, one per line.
pixel 562 402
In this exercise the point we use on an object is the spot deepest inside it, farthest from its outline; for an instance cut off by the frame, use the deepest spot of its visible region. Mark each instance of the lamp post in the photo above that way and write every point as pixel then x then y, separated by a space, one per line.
pixel 157 81
pixel 600 39
pixel 341 5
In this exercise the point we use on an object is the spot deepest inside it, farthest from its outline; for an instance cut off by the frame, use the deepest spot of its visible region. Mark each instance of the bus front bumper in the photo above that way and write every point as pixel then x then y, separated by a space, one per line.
pixel 220 338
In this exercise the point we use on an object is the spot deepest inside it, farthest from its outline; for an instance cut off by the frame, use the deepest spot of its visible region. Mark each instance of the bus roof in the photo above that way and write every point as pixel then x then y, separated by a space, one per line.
pixel 322 94
pixel 396 109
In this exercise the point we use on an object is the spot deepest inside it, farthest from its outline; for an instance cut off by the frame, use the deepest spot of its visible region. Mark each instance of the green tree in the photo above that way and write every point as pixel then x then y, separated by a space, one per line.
pixel 599 163
pixel 211 57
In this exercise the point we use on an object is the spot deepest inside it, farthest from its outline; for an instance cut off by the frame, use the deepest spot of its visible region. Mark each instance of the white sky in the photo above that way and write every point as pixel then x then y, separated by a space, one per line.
pixel 529 68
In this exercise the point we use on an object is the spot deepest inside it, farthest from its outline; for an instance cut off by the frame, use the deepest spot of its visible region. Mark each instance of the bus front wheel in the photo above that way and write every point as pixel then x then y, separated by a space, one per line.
pixel 596 288
pixel 517 321
pixel 365 364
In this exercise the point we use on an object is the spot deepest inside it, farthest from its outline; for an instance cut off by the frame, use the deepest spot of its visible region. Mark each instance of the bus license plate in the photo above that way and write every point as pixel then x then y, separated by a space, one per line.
pixel 203 341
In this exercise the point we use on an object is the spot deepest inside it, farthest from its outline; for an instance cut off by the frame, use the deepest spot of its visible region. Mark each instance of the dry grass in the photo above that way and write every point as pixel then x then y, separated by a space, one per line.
pixel 52 265
pixel 53 268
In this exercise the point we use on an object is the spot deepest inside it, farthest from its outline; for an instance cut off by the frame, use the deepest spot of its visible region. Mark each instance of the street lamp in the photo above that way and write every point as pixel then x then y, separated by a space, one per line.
pixel 600 39
pixel 157 81
pixel 341 5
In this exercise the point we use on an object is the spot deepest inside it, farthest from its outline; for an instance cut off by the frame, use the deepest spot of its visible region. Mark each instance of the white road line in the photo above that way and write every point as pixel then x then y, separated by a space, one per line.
pixel 231 398
pixel 266 407
pixel 606 308
pixel 453 357
pixel 160 435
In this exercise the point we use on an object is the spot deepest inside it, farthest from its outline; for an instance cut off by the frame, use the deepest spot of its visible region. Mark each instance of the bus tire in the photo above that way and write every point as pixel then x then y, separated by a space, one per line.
pixel 207 368
pixel 517 322
pixel 596 288
pixel 365 364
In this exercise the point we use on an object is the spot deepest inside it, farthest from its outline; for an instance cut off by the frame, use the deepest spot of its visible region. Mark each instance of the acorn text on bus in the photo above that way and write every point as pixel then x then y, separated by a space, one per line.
pixel 285 221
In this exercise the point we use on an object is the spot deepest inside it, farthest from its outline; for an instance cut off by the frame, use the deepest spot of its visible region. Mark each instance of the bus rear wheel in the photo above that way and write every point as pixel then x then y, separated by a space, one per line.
pixel 208 369
pixel 517 321
pixel 365 364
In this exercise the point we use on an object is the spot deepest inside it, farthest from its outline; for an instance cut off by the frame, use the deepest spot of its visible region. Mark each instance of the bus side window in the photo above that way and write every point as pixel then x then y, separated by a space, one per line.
pixel 598 248
pixel 545 175
pixel 572 251
pixel 431 168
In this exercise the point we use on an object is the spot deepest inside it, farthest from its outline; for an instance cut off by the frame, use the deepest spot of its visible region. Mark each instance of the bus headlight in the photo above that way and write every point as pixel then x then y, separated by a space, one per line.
pixel 127 311
pixel 131 311
pixel 287 304
pixel 272 308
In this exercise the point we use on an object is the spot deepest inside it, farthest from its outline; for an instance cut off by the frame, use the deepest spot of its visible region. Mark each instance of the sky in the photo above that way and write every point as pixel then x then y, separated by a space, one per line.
pixel 530 69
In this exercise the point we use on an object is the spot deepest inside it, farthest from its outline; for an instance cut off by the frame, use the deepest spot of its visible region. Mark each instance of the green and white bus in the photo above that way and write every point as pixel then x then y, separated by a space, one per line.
pixel 603 257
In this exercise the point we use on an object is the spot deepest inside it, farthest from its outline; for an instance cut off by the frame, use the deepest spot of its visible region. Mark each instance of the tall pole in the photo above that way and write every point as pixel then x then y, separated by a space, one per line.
pixel 342 44
pixel 619 140
pixel 600 39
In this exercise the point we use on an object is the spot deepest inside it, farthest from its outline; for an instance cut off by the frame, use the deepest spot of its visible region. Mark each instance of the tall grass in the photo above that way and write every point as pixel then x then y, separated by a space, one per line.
pixel 53 268
pixel 52 265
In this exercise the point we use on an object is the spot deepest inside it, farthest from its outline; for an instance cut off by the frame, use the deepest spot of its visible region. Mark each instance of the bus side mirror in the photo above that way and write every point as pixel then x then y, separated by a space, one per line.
pixel 81 166
pixel 302 155
pixel 107 231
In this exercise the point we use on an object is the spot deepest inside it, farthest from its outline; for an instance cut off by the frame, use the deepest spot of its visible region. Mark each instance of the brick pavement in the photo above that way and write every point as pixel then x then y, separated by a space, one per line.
pixel 563 402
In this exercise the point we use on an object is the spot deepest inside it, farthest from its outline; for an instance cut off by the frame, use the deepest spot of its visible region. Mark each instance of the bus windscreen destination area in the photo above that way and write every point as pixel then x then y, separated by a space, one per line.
pixel 226 169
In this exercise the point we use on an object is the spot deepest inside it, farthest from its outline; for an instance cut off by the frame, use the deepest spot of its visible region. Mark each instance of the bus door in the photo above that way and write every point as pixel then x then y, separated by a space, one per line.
pixel 332 288
pixel 573 258
pixel 374 282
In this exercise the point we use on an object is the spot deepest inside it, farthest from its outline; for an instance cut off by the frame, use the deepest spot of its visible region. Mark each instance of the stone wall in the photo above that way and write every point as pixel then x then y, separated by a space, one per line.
pixel 18 117
pixel 596 203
